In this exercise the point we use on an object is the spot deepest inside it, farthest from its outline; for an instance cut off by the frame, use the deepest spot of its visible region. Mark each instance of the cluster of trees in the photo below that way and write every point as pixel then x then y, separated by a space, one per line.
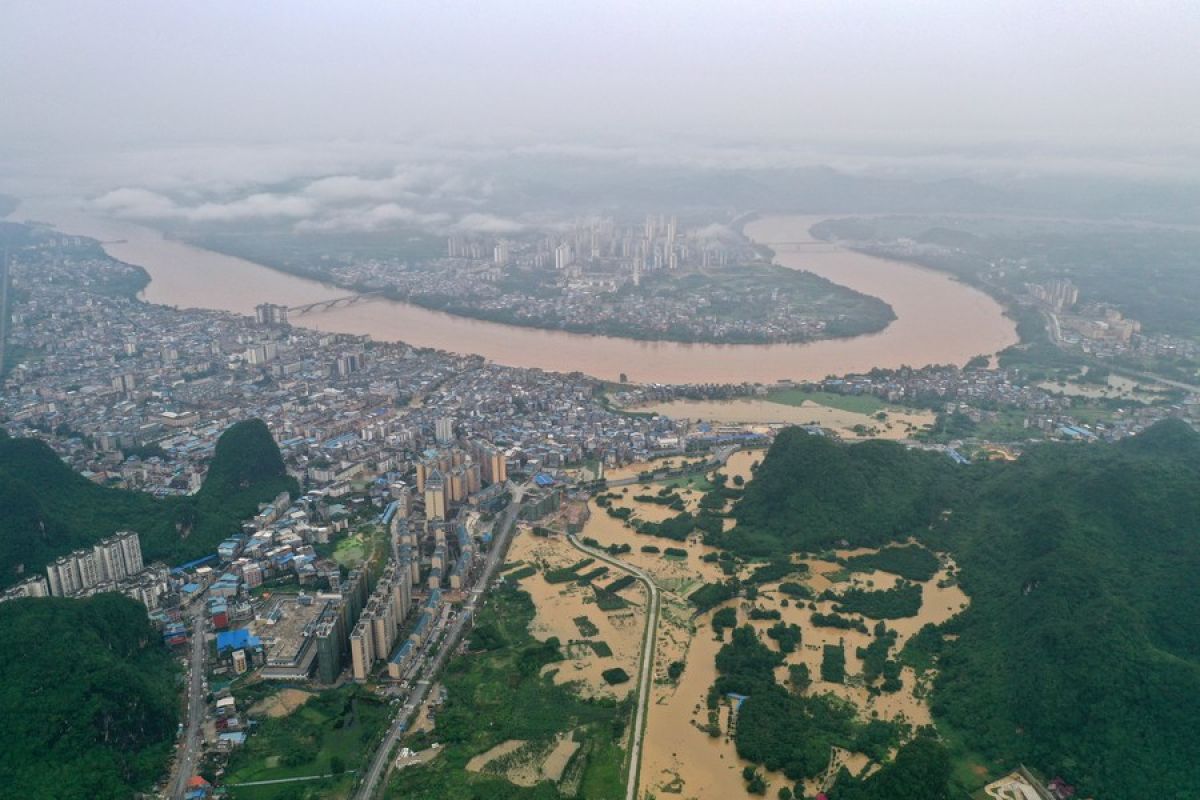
pixel 87 695
pixel 911 562
pixel 837 621
pixel 920 771
pixel 723 620
pixel 787 730
pixel 787 636
pixel 904 600
pixel 711 595
pixel 50 510
pixel 876 662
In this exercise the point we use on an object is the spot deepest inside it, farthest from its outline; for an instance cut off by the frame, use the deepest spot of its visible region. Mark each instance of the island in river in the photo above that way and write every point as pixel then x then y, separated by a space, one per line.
pixel 738 298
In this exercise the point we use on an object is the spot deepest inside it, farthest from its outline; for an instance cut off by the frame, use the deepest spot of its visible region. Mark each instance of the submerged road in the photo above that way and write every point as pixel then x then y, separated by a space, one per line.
pixel 646 669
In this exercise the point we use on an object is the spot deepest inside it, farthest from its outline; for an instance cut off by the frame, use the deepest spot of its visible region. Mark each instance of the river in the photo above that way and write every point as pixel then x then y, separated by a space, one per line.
pixel 939 320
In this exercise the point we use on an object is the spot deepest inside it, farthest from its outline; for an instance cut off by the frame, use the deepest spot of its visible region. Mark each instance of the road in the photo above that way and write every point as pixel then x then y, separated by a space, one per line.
pixel 191 745
pixel 381 759
pixel 646 670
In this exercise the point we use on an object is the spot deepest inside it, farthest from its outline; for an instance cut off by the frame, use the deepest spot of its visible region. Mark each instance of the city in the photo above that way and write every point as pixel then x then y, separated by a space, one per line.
pixel 510 401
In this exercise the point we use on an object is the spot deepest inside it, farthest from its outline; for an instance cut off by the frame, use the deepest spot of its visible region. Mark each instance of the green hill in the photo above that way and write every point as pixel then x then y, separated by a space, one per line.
pixel 87 695
pixel 811 492
pixel 1080 652
pixel 50 510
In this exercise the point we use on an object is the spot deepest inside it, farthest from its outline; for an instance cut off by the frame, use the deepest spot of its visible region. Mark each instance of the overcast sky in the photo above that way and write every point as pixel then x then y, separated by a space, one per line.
pixel 92 75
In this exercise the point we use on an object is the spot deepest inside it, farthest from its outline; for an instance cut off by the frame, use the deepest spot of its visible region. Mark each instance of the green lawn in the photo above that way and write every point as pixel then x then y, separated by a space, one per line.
pixel 699 482
pixel 342 724
pixel 858 403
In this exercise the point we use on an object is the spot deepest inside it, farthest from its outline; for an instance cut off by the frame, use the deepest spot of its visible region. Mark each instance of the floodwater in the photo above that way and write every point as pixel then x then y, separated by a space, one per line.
pixel 745 410
pixel 940 320
pixel 557 606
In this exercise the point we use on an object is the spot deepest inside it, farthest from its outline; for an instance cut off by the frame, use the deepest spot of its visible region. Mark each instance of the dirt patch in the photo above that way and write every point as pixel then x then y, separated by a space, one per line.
pixel 560 756
pixel 480 761
pixel 280 704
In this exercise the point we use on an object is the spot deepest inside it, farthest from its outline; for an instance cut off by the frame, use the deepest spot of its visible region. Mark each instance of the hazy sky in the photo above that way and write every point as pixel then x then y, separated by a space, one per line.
pixel 93 75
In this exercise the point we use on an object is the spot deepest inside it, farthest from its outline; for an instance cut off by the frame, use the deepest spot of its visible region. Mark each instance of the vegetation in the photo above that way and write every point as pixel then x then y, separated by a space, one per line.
pixel 586 627
pixel 1079 654
pixel 785 730
pixel 811 492
pixel 920 771
pixel 501 695
pixel 50 510
pixel 797 590
pixel 711 595
pixel 332 732
pixel 87 695
pixel 624 582
pixel 836 621
pixel 787 636
pixel 833 663
pixel 902 601
pixel 723 620
pixel 911 562
pixel 565 574
pixel 614 676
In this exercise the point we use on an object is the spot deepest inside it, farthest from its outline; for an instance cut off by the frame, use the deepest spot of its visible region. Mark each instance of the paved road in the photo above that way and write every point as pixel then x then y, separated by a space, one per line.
pixel 290 780
pixel 381 760
pixel 646 673
pixel 191 744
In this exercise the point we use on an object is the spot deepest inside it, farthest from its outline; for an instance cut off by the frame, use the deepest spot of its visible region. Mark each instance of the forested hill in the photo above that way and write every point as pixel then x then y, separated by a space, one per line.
pixel 49 510
pixel 811 492
pixel 1080 652
pixel 87 695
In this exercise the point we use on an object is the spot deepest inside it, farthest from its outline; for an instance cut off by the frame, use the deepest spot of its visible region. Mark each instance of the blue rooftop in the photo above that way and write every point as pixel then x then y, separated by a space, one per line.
pixel 236 640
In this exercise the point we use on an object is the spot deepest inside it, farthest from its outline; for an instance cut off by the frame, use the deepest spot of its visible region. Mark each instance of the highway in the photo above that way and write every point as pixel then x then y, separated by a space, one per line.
pixel 191 745
pixel 646 670
pixel 381 759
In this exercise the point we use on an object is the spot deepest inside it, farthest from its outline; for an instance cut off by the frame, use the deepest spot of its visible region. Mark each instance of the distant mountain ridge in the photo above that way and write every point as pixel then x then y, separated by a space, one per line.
pixel 50 510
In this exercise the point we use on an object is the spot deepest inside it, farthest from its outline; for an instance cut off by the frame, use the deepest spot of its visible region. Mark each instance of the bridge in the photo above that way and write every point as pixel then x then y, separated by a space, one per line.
pixel 325 305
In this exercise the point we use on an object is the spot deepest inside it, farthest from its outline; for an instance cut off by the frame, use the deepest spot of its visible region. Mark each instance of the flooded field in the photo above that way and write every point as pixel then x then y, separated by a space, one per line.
pixel 744 410
pixel 680 757
pixel 560 605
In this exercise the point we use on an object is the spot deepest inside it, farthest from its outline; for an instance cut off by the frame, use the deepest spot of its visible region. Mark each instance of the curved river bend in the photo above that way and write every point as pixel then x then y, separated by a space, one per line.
pixel 939 320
